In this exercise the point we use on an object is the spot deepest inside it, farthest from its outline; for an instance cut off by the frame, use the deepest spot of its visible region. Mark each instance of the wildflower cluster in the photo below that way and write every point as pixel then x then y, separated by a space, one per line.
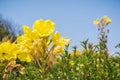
pixel 34 43
pixel 38 42
pixel 39 45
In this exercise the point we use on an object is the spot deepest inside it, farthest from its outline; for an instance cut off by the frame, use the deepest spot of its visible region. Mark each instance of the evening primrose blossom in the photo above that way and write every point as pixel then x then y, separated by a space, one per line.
pixel 33 41
pixel 71 62
pixel 8 50
pixel 43 28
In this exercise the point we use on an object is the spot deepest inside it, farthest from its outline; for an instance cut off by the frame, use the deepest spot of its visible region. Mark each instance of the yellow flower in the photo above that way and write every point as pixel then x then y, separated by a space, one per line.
pixel 96 22
pixel 97 65
pixel 43 28
pixel 71 62
pixel 72 54
pixel 77 68
pixel 58 40
pixel 81 65
pixel 77 53
pixel 83 50
pixel 106 73
pixel 117 64
pixel 8 50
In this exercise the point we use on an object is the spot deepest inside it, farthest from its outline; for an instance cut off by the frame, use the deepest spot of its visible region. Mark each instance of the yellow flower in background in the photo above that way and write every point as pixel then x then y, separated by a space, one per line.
pixel 43 28
pixel 83 50
pixel 107 20
pixel 8 50
pixel 58 40
pixel 103 21
pixel 117 64
pixel 77 53
pixel 104 18
pixel 71 62
pixel 97 65
pixel 81 65
pixel 77 68
pixel 96 22
pixel 72 54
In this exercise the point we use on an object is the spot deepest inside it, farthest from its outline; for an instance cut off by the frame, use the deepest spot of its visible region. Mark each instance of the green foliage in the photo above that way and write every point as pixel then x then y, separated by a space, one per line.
pixel 89 65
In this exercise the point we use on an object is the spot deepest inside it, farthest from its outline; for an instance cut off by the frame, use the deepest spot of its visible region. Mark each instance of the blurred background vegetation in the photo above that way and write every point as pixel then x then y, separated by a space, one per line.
pixel 8 28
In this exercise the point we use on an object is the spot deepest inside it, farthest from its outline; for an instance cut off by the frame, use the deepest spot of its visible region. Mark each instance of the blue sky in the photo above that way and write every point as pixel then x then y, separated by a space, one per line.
pixel 73 18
